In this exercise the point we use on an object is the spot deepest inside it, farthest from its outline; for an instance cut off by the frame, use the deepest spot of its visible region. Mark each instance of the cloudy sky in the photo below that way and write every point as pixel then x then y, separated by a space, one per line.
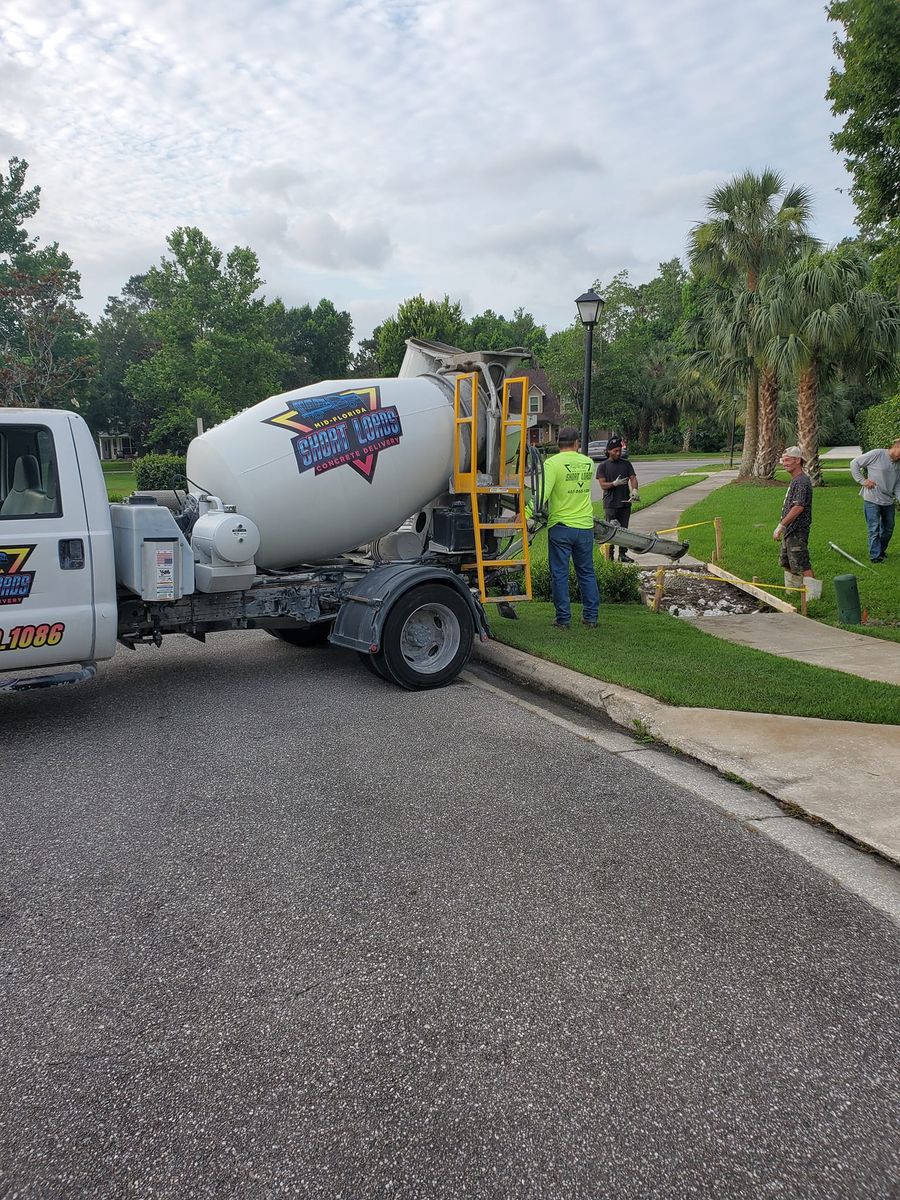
pixel 367 150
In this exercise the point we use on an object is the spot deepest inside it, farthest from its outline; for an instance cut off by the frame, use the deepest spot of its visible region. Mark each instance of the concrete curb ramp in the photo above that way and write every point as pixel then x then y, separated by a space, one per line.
pixel 844 773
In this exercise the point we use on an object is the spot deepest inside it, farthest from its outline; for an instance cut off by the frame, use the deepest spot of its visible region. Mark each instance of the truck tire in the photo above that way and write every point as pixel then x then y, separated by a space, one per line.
pixel 375 663
pixel 427 637
pixel 304 635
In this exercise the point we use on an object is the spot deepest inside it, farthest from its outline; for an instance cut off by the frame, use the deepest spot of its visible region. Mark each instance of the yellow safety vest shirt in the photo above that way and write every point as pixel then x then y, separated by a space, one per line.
pixel 567 490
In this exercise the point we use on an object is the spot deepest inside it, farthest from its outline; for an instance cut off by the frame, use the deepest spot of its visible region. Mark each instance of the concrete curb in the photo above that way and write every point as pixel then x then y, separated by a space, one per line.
pixel 836 773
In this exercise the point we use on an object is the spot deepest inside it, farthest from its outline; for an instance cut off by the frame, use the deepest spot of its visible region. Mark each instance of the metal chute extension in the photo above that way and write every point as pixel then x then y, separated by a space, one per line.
pixel 611 533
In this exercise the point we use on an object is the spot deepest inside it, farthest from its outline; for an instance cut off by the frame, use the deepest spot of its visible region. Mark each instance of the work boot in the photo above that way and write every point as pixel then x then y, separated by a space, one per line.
pixel 559 625
pixel 590 624
pixel 623 557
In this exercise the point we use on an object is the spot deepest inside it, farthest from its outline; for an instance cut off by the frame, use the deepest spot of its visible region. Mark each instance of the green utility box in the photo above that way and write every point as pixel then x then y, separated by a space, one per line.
pixel 849 612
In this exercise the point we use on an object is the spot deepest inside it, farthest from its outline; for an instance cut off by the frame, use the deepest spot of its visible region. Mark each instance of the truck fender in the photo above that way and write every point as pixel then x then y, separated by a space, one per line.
pixel 365 607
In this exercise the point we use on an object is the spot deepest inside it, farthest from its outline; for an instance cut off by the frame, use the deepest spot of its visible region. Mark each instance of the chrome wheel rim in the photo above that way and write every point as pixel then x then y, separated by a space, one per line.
pixel 430 638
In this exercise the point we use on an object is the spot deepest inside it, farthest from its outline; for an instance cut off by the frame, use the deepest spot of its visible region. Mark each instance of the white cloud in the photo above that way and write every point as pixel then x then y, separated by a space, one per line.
pixel 372 149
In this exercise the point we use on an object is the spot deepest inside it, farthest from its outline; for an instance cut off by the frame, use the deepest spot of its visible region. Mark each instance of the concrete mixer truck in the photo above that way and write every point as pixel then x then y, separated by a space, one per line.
pixel 379 515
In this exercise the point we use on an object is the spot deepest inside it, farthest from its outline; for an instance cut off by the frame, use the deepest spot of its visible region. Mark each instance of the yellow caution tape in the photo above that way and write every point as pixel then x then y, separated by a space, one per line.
pixel 678 528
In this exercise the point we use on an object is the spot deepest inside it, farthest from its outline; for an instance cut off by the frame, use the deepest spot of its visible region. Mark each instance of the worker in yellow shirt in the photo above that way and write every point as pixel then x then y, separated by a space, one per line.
pixel 570 528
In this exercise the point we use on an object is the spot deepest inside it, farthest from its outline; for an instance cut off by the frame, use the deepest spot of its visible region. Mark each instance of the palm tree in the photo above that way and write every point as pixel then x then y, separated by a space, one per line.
pixel 755 224
pixel 817 316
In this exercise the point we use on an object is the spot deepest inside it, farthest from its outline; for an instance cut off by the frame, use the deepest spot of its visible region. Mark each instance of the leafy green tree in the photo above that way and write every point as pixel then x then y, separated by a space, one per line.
pixel 364 363
pixel 865 89
pixel 756 223
pixel 490 331
pixel 122 336
pixel 17 205
pixel 636 388
pixel 435 320
pixel 215 353
pixel 45 349
pixel 316 340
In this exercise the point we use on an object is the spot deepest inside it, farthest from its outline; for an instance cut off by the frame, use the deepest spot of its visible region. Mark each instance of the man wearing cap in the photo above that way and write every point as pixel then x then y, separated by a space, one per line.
pixel 796 518
pixel 879 473
pixel 619 485
pixel 570 528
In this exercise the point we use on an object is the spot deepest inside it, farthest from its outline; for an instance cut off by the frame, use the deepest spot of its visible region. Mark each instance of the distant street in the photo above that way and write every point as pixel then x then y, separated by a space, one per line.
pixel 271 927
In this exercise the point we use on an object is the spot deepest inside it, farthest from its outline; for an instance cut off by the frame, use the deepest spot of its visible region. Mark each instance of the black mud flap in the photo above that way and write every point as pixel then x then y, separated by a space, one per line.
pixel 366 604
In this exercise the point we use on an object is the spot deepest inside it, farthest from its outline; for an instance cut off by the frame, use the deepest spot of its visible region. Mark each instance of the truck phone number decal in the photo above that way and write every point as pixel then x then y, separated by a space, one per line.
pixel 27 637
pixel 340 428
pixel 15 584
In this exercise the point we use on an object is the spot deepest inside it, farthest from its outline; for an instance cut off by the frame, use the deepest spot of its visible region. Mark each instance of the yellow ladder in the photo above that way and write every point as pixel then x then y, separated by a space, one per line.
pixel 511 481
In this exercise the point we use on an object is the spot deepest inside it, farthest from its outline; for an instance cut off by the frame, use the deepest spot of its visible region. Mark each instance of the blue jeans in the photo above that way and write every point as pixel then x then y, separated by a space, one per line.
pixel 880 524
pixel 578 545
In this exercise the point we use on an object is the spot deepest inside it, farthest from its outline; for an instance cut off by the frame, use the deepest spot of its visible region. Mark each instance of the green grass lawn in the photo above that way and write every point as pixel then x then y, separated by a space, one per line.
pixel 656 490
pixel 120 480
pixel 750 512
pixel 671 660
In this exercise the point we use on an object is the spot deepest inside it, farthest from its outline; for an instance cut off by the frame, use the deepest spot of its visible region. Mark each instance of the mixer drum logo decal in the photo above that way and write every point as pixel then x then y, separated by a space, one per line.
pixel 15 584
pixel 340 428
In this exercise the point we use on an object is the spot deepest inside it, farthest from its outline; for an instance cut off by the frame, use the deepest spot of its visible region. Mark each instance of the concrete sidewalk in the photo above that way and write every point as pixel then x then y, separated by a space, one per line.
pixel 786 634
pixel 793 636
pixel 843 773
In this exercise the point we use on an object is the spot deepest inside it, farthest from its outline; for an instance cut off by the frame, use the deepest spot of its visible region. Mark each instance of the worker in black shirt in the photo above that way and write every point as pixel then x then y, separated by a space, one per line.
pixel 619 485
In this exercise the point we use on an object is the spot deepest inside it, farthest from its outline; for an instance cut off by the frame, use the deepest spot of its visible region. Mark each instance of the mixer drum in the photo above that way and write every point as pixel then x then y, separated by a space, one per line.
pixel 326 468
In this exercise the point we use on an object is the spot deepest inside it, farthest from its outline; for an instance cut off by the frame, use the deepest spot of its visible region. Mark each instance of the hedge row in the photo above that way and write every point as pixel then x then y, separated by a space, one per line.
pixel 879 425
pixel 157 472
pixel 619 582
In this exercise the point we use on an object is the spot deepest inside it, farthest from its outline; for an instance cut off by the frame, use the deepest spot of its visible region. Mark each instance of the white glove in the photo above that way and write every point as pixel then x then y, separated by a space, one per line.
pixel 778 533
pixel 624 480
pixel 531 524
pixel 635 496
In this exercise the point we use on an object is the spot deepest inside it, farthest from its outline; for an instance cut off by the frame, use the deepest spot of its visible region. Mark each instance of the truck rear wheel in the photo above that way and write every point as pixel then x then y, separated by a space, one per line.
pixel 375 663
pixel 427 637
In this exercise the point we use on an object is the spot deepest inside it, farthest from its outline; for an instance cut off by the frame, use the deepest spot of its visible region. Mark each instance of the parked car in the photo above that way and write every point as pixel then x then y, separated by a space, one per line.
pixel 597 449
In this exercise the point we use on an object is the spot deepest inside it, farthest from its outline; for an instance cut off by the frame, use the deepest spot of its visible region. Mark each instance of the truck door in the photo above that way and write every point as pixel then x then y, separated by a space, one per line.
pixel 46 600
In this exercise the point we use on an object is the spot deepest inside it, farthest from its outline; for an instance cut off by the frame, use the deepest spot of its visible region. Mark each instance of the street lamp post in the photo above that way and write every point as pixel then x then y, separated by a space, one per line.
pixel 589 306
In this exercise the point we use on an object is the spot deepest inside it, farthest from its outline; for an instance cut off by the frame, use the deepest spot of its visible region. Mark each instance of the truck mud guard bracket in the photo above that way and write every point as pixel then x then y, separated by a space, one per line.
pixel 368 603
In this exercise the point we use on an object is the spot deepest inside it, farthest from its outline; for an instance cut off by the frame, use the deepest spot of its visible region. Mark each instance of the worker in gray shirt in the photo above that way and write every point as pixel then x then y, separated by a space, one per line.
pixel 879 473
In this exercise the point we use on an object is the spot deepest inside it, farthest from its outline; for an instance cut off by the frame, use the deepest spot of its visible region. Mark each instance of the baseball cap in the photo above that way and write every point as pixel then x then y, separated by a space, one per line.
pixel 613 442
pixel 793 452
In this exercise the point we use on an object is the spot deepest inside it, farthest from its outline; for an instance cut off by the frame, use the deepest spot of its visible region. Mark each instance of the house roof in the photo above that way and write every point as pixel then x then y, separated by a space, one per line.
pixel 537 377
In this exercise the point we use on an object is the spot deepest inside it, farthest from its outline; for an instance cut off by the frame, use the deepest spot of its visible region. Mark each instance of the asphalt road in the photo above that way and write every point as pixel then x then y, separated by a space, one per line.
pixel 271 927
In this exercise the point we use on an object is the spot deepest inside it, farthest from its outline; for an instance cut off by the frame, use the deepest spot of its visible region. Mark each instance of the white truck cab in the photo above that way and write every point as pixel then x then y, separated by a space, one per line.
pixel 57 572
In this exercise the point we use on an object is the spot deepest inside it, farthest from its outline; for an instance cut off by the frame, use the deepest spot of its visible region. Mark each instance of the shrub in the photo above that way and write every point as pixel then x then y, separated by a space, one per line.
pixel 619 582
pixel 156 472
pixel 878 425
pixel 662 443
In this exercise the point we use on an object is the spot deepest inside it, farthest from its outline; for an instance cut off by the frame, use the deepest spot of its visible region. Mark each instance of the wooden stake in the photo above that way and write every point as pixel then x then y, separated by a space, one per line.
pixel 803 602
pixel 660 587
pixel 607 551
pixel 717 523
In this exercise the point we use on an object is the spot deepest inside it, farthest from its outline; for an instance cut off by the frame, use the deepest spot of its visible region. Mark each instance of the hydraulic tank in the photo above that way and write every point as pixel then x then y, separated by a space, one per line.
pixel 326 468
